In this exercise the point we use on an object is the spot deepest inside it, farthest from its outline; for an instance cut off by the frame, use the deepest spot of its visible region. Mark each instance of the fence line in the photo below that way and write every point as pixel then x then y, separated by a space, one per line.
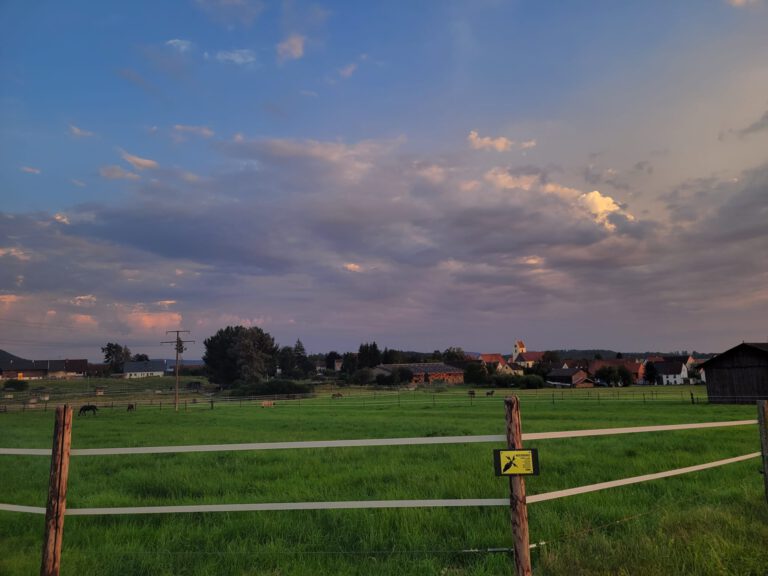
pixel 313 444
pixel 378 504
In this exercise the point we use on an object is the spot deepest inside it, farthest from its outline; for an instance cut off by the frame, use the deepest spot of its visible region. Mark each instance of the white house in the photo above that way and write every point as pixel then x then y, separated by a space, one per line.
pixel 144 369
pixel 672 372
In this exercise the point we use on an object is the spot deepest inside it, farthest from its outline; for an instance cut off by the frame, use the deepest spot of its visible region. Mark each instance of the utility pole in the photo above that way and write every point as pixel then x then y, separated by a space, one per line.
pixel 179 344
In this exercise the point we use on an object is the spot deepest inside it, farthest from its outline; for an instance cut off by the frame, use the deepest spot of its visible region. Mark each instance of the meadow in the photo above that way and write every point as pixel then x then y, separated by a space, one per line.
pixel 709 522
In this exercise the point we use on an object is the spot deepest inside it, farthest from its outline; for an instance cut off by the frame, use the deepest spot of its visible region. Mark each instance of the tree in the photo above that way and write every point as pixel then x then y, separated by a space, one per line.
pixel 608 375
pixel 240 355
pixel 625 376
pixel 330 360
pixel 140 358
pixel 455 356
pixel 368 356
pixel 651 373
pixel 475 373
pixel 286 361
pixel 116 356
pixel 303 365
pixel 349 363
pixel 619 355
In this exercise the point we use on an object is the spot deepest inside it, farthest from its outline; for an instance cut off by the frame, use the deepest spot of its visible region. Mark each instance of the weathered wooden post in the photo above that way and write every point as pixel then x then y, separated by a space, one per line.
pixel 518 508
pixel 762 422
pixel 57 492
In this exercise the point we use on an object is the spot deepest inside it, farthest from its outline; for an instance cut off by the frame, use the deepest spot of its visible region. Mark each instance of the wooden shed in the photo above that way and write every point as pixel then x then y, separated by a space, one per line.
pixel 738 375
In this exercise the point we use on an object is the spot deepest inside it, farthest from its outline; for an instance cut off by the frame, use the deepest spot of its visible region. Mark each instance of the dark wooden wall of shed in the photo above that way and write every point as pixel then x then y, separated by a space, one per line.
pixel 740 377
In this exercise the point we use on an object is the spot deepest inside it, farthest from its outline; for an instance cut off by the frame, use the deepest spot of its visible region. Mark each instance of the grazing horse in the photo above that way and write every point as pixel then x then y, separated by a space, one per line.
pixel 268 404
pixel 471 393
pixel 87 408
pixel 131 407
pixel 490 392
pixel 337 395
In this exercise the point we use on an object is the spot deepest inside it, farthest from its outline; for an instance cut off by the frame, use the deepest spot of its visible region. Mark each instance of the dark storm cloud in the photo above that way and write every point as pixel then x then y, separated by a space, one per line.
pixel 760 125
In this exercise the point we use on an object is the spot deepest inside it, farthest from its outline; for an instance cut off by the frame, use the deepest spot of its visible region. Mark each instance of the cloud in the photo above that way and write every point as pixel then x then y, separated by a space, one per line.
pixel 292 48
pixel 78 183
pixel 14 252
pixel 232 12
pixel 347 70
pixel 352 267
pixel 79 132
pixel 181 130
pixel 117 173
pixel 601 207
pixel 30 170
pixel 181 46
pixel 137 162
pixel 499 144
pixel 743 3
pixel 61 218
pixel 308 93
pixel 503 179
pixel 433 173
pixel 241 57
pixel 760 125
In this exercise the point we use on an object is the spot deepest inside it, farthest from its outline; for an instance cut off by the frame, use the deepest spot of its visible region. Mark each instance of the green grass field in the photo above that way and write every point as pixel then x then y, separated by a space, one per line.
pixel 710 522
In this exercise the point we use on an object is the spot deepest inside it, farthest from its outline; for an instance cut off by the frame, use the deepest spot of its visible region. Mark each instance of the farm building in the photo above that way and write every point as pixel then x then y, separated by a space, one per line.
pixel 636 368
pixel 144 369
pixel 21 369
pixel 569 378
pixel 426 372
pixel 738 375
pixel 675 372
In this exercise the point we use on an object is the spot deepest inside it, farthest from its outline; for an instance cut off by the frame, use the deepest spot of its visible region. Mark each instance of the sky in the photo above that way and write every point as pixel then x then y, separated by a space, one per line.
pixel 420 174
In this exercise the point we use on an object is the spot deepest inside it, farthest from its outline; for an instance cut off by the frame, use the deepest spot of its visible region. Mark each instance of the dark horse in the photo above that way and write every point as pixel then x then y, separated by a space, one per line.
pixel 88 408
pixel 131 407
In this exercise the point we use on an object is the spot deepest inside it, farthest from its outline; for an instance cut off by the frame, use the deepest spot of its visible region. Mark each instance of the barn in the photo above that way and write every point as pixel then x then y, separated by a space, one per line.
pixel 738 375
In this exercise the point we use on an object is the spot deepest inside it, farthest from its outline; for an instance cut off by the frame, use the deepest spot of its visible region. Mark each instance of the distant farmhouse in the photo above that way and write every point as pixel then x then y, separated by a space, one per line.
pixel 569 378
pixel 144 369
pixel 425 372
pixel 672 372
pixel 14 367
pixel 738 375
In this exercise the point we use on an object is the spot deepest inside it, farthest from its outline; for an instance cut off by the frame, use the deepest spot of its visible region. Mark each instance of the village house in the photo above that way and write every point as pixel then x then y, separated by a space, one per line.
pixel 496 364
pixel 528 359
pixel 672 372
pixel 635 367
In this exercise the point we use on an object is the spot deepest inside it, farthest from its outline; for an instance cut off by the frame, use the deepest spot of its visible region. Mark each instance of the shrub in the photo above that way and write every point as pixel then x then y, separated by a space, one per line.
pixel 272 387
pixel 503 381
pixel 17 385
pixel 531 381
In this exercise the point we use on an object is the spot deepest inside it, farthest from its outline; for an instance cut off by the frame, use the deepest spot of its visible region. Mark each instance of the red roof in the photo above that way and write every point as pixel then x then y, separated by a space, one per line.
pixel 529 357
pixel 493 358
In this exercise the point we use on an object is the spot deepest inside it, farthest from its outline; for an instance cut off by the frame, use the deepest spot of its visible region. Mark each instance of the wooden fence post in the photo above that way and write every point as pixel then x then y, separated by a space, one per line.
pixel 57 492
pixel 518 508
pixel 762 422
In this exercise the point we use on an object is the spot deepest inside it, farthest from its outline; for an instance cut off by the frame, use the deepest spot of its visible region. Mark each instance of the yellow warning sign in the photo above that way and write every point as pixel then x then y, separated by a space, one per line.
pixel 516 462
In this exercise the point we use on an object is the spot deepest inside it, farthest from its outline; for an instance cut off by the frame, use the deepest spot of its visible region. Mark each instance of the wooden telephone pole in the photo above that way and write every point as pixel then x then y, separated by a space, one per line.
pixel 57 492
pixel 179 344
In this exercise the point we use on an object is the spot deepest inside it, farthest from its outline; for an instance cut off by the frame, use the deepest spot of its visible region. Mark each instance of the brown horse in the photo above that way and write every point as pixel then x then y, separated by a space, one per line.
pixel 87 408
pixel 131 407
